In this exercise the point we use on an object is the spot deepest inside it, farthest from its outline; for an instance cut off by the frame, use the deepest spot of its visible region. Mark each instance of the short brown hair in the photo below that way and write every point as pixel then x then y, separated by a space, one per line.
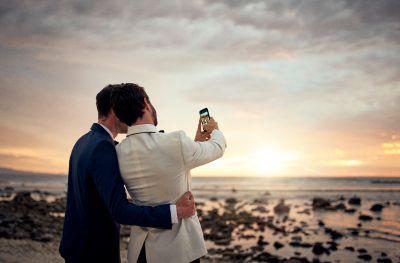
pixel 128 101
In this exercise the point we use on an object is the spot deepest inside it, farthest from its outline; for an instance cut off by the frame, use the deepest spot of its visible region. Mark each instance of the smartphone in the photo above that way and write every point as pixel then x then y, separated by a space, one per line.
pixel 204 116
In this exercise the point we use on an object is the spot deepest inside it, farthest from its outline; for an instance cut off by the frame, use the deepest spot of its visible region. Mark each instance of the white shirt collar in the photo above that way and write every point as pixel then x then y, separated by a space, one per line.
pixel 107 130
pixel 142 128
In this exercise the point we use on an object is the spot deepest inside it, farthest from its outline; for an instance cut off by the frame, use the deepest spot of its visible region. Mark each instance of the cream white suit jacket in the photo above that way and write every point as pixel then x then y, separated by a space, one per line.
pixel 155 168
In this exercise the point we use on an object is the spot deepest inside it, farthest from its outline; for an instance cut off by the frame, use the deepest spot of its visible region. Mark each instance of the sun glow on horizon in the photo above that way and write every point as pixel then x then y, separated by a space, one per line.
pixel 268 161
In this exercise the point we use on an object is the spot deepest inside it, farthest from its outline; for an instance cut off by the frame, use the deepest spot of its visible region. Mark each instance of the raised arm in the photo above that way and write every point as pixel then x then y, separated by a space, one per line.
pixel 207 147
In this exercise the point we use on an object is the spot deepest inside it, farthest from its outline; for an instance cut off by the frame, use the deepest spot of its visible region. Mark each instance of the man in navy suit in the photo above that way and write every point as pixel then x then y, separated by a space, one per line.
pixel 96 198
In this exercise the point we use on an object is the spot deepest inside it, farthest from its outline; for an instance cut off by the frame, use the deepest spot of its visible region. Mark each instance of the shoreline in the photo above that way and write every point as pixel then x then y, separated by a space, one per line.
pixel 342 229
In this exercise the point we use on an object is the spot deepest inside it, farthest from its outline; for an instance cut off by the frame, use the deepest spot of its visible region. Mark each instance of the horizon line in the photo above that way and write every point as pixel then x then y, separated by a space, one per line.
pixel 230 176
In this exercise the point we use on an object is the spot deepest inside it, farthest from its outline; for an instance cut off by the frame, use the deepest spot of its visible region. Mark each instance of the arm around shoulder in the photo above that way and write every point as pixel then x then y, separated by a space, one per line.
pixel 108 182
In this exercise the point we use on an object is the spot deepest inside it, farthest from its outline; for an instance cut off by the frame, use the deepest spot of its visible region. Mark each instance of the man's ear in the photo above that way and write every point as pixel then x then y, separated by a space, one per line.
pixel 147 104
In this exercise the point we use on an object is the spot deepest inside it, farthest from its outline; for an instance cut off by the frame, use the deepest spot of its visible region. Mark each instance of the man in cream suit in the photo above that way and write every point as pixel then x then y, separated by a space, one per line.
pixel 155 168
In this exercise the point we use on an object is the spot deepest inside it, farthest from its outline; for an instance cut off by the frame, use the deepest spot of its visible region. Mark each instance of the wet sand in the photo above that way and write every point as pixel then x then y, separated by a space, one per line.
pixel 344 229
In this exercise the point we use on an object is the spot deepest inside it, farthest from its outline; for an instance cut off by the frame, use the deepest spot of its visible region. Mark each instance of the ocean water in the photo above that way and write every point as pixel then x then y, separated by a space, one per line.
pixel 374 189
pixel 247 187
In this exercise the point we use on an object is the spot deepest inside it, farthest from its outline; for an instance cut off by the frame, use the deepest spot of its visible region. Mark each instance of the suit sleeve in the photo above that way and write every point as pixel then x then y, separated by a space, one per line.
pixel 109 184
pixel 198 153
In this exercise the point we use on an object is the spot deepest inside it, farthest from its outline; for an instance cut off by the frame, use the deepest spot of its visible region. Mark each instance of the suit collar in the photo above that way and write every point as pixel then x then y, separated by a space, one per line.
pixel 143 128
pixel 98 128
pixel 107 130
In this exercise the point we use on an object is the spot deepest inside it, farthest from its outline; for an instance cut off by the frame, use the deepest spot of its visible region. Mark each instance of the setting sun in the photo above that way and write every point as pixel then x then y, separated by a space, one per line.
pixel 265 162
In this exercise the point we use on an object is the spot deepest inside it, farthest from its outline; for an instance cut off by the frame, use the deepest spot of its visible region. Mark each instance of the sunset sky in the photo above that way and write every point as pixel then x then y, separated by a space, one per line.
pixel 299 88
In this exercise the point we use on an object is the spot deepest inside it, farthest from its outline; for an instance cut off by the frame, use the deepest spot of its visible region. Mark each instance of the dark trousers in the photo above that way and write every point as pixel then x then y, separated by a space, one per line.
pixel 142 256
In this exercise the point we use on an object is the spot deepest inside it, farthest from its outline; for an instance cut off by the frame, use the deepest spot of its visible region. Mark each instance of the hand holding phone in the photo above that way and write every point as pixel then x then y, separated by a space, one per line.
pixel 210 126
pixel 204 116
pixel 201 136
pixel 206 125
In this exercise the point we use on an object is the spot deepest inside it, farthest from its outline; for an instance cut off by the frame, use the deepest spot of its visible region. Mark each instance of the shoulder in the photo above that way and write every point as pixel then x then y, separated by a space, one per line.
pixel 172 139
pixel 92 147
pixel 97 143
pixel 103 144
pixel 175 135
pixel 178 134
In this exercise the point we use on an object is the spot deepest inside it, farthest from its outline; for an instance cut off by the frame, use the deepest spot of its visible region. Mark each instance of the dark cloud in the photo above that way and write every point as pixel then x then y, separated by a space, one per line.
pixel 315 26
pixel 267 26
pixel 221 32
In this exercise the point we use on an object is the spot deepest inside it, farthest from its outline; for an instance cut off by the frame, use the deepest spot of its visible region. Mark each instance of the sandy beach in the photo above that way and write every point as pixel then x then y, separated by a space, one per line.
pixel 345 229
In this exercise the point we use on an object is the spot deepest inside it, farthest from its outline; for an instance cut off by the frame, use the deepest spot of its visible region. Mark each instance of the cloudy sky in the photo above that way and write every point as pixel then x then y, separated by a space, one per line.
pixel 298 87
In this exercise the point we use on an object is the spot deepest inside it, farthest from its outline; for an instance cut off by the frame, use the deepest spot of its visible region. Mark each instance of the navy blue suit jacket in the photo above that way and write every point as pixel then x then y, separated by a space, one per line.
pixel 97 204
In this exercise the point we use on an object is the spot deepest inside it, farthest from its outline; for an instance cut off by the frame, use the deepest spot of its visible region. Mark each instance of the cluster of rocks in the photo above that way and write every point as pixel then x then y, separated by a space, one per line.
pixel 230 222
pixel 223 226
pixel 26 218
pixel 22 217
pixel 236 254
pixel 319 203
pixel 325 204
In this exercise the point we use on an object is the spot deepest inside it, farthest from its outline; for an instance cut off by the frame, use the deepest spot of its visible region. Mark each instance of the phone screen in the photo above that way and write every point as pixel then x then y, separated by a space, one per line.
pixel 204 116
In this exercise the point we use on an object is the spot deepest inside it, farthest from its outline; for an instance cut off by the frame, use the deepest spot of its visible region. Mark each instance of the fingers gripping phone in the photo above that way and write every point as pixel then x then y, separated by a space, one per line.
pixel 204 117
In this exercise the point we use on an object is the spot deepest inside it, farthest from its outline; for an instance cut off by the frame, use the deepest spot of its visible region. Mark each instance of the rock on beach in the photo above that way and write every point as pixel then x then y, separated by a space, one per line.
pixel 281 208
pixel 377 207
pixel 355 200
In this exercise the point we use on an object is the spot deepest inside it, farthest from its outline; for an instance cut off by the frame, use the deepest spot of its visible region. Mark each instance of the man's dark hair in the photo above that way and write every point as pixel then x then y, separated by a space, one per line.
pixel 128 102
pixel 103 101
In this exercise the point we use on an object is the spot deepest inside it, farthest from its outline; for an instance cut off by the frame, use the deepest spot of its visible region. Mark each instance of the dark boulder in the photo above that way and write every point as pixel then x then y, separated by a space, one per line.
pixel 365 217
pixel 350 249
pixel 281 208
pixel 320 203
pixel 340 206
pixel 365 257
pixel 350 210
pixel 333 246
pixel 298 244
pixel 23 198
pixel 355 200
pixel 319 249
pixel 362 250
pixel 377 207
pixel 384 260
pixel 278 245
pixel 333 233
pixel 261 241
